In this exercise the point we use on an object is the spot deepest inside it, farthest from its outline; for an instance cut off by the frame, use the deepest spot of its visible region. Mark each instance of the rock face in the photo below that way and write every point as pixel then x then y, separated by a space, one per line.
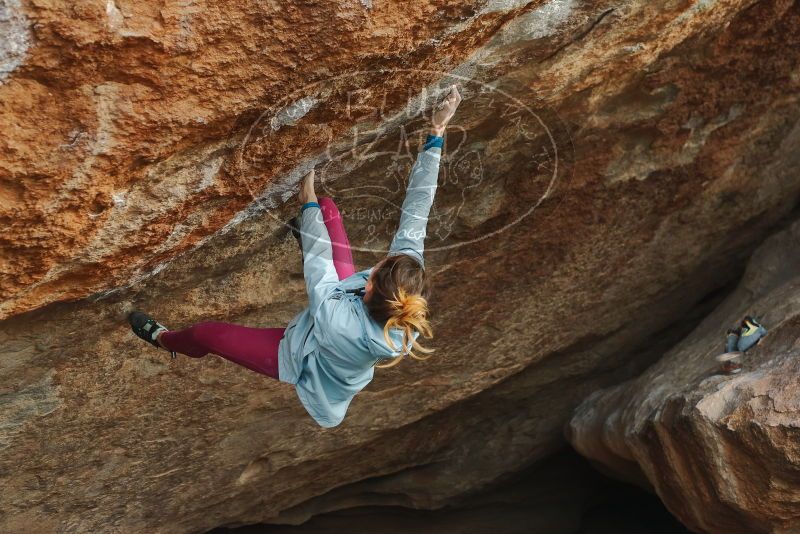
pixel 560 495
pixel 720 450
pixel 611 167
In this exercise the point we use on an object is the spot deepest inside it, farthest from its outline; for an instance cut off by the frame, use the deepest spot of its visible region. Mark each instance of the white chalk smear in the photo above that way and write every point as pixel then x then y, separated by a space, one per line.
pixel 208 173
pixel 115 18
pixel 542 21
pixel 292 113
pixel 504 6
pixel 15 37
pixel 119 198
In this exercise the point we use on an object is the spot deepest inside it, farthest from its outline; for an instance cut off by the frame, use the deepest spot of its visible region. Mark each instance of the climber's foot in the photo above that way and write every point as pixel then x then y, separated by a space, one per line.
pixel 294 225
pixel 148 329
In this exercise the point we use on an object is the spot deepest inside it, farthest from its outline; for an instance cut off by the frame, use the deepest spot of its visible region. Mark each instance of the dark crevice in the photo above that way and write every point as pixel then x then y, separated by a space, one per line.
pixel 560 495
pixel 581 35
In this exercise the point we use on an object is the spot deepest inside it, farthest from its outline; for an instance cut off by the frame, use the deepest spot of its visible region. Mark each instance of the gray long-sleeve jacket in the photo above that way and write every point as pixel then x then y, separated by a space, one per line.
pixel 329 350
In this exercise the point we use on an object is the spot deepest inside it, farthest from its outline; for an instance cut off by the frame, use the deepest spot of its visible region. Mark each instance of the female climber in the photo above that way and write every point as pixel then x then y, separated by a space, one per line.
pixel 354 319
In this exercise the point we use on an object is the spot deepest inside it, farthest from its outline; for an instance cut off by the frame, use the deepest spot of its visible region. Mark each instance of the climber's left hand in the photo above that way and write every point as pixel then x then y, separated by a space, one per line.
pixel 307 193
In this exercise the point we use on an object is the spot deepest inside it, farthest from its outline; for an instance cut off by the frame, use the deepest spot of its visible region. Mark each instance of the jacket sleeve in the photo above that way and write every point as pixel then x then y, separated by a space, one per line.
pixel 318 270
pixel 410 236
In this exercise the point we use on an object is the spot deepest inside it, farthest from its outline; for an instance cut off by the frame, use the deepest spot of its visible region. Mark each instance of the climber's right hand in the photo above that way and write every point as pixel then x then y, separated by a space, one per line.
pixel 445 110
pixel 307 193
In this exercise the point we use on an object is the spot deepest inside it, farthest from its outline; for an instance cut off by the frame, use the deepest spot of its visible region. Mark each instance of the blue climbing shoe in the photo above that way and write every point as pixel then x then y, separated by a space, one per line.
pixel 732 340
pixel 751 333
pixel 147 328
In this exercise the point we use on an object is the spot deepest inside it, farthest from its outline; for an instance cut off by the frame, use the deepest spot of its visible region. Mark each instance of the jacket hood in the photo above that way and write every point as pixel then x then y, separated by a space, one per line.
pixel 376 343
pixel 373 331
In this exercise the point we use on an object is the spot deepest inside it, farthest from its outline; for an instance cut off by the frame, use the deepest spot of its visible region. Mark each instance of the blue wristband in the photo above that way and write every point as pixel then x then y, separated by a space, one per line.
pixel 309 205
pixel 433 141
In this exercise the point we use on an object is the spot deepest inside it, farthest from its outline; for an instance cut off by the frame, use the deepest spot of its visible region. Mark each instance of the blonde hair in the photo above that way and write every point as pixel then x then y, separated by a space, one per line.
pixel 410 315
pixel 399 298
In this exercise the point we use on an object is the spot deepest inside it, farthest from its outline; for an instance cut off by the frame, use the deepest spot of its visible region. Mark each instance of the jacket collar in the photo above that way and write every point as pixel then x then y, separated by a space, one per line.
pixel 373 332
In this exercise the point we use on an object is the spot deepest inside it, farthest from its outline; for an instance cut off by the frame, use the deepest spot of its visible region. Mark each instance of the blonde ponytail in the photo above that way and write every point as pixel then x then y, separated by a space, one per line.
pixel 399 299
pixel 410 314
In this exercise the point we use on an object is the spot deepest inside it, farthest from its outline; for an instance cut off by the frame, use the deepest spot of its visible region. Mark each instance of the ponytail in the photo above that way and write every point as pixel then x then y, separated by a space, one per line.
pixel 410 315
pixel 399 298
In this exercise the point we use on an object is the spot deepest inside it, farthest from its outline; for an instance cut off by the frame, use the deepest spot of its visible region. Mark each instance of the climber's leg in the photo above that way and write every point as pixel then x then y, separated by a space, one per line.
pixel 254 348
pixel 342 255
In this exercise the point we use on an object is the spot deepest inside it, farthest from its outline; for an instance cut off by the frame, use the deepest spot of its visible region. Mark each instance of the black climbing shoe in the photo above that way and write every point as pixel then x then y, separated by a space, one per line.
pixel 294 225
pixel 751 333
pixel 147 328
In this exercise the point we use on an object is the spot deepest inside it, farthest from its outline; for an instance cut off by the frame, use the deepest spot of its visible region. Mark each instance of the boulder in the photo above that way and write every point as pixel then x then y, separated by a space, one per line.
pixel 609 171
pixel 719 449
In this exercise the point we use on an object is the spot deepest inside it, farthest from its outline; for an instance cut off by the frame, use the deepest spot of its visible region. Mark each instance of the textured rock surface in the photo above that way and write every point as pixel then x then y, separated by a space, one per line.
pixel 128 179
pixel 560 495
pixel 721 451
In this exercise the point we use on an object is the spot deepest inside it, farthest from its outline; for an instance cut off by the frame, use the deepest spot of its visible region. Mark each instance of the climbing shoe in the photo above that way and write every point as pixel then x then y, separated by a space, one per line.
pixel 751 333
pixel 147 328
pixel 294 225
pixel 732 340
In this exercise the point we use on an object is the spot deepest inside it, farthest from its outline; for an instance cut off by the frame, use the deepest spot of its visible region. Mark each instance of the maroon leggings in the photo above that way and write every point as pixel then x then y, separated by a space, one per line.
pixel 257 348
